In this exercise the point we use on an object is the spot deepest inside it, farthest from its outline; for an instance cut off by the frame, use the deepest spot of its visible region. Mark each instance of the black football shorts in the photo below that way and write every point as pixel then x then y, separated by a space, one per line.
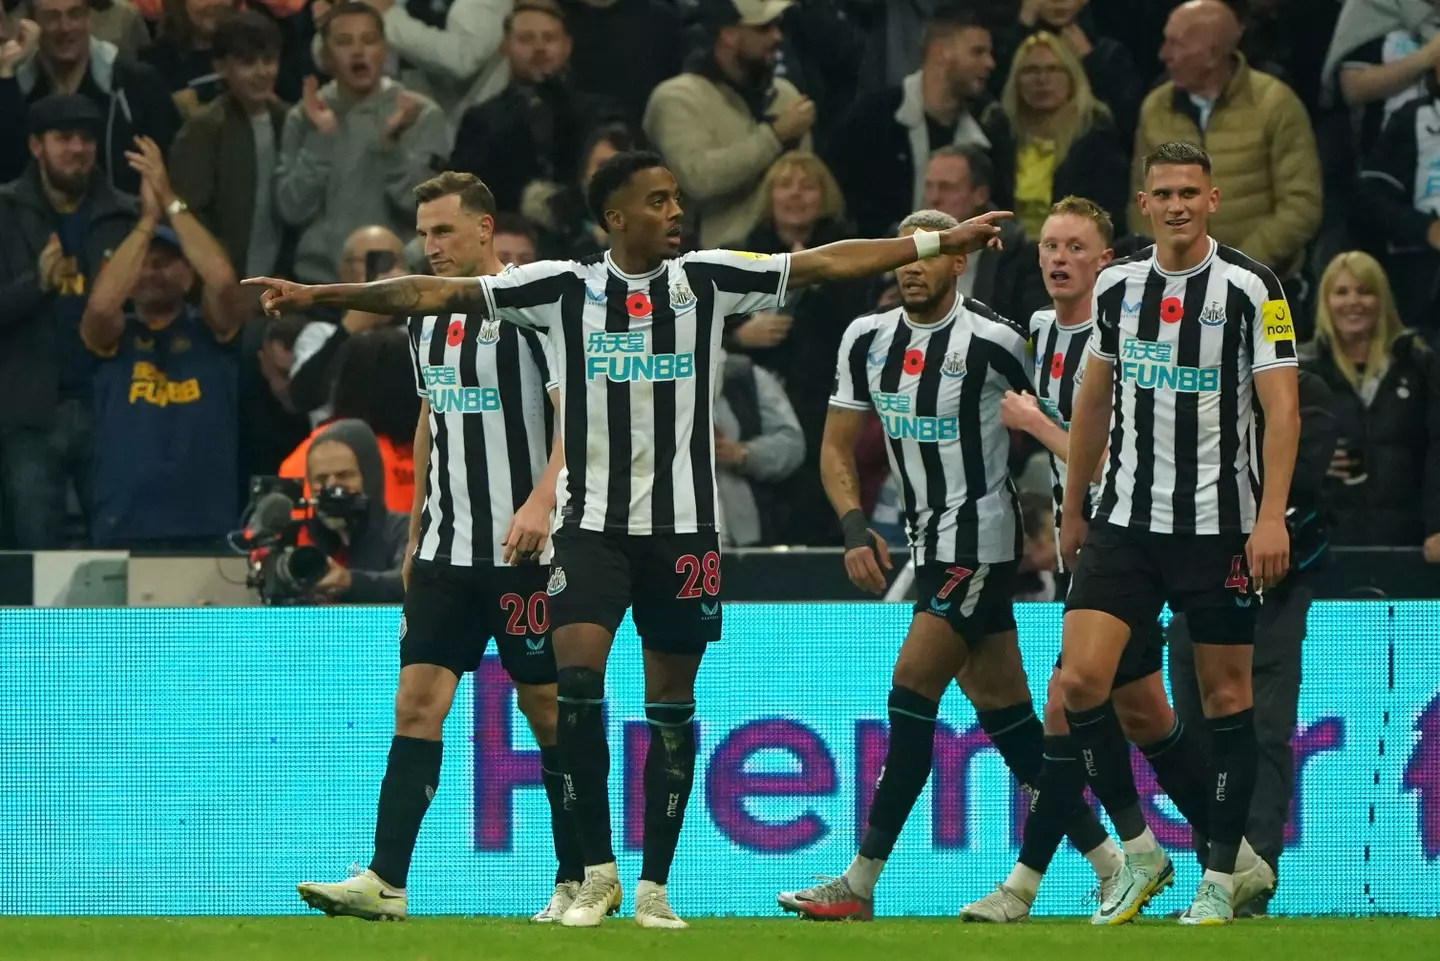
pixel 451 613
pixel 975 599
pixel 670 583
pixel 1131 574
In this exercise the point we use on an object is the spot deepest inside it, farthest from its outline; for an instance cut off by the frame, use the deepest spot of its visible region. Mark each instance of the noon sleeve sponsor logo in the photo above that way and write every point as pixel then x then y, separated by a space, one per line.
pixel 1278 325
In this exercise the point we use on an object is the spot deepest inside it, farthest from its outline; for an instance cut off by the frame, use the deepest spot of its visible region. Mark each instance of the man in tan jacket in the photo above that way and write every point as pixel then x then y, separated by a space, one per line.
pixel 722 122
pixel 1254 127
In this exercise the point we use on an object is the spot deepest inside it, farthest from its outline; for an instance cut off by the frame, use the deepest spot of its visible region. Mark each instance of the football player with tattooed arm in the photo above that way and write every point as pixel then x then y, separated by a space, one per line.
pixel 475 567
pixel 635 336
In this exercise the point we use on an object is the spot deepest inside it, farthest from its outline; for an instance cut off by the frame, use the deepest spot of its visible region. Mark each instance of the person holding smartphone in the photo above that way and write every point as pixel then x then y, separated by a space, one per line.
pixel 370 253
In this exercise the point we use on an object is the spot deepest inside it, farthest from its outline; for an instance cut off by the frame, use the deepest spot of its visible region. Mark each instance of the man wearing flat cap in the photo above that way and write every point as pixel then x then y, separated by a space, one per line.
pixel 61 221
pixel 56 52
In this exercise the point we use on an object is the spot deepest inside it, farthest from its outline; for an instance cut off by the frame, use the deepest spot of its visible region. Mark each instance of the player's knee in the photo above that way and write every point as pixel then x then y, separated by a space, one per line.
pixel 580 685
pixel 1224 682
pixel 420 712
pixel 1082 686
pixel 1144 719
pixel 1054 716
pixel 1224 700
pixel 538 704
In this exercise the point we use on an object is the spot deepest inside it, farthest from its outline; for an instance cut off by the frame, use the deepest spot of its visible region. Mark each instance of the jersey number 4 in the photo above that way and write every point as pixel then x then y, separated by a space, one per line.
pixel 526 618
pixel 701 576
pixel 1238 579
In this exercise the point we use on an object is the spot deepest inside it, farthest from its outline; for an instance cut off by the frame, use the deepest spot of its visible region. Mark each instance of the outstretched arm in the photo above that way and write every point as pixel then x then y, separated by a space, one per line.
pixel 852 259
pixel 400 295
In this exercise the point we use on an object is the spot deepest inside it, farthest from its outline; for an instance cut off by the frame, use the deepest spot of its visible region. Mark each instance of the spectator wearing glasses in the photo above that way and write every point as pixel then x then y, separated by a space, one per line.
pixel 1067 144
pixel 1109 69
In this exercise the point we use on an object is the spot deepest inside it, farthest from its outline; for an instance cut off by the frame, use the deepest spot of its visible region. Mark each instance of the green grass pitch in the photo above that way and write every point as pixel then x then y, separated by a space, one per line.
pixel 726 939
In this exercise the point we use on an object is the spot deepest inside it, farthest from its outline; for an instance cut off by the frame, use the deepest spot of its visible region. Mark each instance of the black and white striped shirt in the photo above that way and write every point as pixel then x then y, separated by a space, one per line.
pixel 1059 369
pixel 490 432
pixel 635 357
pixel 937 389
pixel 1185 347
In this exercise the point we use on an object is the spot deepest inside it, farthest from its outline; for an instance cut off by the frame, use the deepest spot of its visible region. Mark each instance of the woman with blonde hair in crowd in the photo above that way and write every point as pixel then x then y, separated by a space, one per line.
pixel 803 208
pixel 1066 140
pixel 1384 479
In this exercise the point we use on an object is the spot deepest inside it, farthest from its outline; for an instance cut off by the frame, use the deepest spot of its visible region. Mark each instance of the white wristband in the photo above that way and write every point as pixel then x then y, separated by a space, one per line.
pixel 927 244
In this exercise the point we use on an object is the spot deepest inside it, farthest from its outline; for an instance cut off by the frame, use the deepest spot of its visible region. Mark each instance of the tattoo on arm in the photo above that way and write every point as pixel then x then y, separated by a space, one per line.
pixel 405 295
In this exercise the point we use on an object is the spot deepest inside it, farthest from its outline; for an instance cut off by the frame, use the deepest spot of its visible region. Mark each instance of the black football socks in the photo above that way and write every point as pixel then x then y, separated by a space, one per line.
pixel 1059 792
pixel 1105 758
pixel 907 767
pixel 1232 737
pixel 1020 738
pixel 669 777
pixel 412 774
pixel 570 862
pixel 585 759
pixel 1183 772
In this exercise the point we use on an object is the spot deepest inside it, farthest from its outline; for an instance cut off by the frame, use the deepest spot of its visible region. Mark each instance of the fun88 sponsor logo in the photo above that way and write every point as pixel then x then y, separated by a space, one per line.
pixel 442 383
pixel 900 424
pixel 1149 365
pixel 622 357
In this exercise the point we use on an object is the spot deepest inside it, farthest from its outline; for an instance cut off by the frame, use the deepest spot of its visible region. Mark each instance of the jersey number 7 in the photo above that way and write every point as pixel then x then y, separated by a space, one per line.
pixel 957 576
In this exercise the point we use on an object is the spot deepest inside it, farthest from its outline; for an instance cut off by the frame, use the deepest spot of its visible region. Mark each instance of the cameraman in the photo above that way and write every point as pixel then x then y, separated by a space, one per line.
pixel 1279 634
pixel 364 542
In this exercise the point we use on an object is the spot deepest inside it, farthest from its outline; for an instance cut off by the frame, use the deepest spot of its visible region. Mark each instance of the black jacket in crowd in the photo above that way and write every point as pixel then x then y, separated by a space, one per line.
pixel 1385 200
pixel 872 158
pixel 29 334
pixel 1308 516
pixel 131 96
pixel 527 132
pixel 1097 167
pixel 624 50
pixel 1396 439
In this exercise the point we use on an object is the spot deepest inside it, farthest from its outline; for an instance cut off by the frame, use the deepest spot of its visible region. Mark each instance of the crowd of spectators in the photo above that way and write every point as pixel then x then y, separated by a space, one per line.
pixel 153 151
